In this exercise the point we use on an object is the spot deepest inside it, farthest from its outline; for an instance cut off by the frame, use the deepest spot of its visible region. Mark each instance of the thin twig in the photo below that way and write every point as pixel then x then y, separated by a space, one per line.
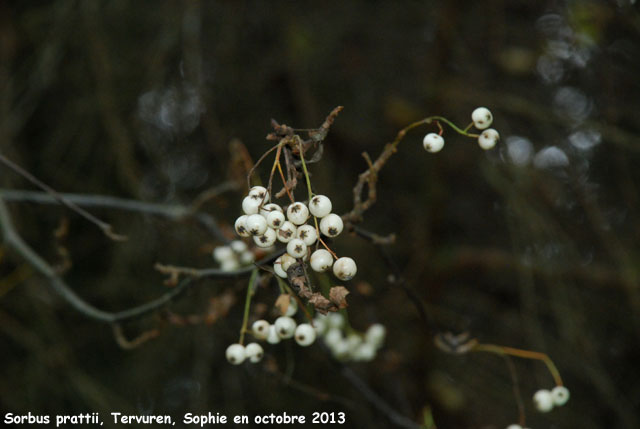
pixel 395 417
pixel 174 212
pixel 14 241
pixel 106 228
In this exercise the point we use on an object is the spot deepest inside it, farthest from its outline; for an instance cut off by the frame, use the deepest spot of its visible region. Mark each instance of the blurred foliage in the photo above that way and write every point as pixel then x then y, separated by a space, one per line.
pixel 533 244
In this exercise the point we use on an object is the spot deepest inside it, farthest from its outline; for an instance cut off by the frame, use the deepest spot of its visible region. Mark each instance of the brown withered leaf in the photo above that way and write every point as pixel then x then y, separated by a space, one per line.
pixel 322 304
pixel 338 296
pixel 282 303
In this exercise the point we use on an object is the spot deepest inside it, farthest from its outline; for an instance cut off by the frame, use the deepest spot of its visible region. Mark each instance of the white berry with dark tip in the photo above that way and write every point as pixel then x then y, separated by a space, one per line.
pixel 268 208
pixel 488 139
pixel 260 329
pixel 297 213
pixel 331 225
pixel 275 219
pixel 321 260
pixel 235 354
pixel 267 239
pixel 254 352
pixel 433 143
pixel 320 206
pixel 259 193
pixel 345 268
pixel 305 334
pixel 256 224
pixel 560 395
pixel 241 226
pixel 307 234
pixel 287 232
pixel 285 327
pixel 296 248
pixel 482 118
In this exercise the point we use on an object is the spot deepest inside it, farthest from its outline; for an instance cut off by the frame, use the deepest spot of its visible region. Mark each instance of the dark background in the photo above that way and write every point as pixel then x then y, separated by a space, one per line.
pixel 533 244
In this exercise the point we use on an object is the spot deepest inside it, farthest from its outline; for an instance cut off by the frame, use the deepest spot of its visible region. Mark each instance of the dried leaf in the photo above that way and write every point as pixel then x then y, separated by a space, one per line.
pixel 338 296
pixel 321 304
pixel 282 303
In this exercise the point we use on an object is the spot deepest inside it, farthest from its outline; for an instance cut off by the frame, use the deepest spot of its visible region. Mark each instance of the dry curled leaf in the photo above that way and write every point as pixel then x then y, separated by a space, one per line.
pixel 338 296
pixel 282 303
pixel 322 304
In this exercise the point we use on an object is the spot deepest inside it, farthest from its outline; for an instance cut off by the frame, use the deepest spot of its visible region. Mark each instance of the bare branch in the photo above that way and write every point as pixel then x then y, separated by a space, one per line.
pixel 174 212
pixel 106 228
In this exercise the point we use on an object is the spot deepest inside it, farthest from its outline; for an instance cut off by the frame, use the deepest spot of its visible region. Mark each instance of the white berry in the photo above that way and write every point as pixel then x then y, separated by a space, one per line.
pixel 364 352
pixel 285 327
pixel 273 337
pixel 267 239
pixel 543 401
pixel 256 224
pixel 223 253
pixel 254 352
pixel 229 265
pixel 320 324
pixel 331 225
pixel 259 193
pixel 268 208
pixel 345 268
pixel 260 329
pixel 321 260
pixel 250 205
pixel 235 354
pixel 488 139
pixel 305 335
pixel 277 267
pixel 296 248
pixel 297 213
pixel 514 426
pixel 560 395
pixel 307 234
pixel 433 143
pixel 241 226
pixel 275 219
pixel 292 308
pixel 286 261
pixel 481 118
pixel 320 206
pixel 375 335
pixel 333 337
pixel 238 246
pixel 287 232
pixel 247 257
pixel 335 320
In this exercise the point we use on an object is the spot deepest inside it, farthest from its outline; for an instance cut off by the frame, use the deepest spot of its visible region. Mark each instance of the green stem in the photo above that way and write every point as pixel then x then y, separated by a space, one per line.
pixel 247 303
pixel 526 354
pixel 304 168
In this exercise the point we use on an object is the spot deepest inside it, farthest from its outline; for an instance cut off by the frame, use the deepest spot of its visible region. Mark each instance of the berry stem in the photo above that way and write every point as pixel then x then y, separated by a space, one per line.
pixel 304 168
pixel 525 354
pixel 247 303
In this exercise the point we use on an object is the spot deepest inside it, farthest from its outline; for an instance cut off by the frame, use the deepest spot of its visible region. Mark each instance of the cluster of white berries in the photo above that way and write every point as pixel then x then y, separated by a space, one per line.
pixel 353 346
pixel 482 119
pixel 544 400
pixel 284 328
pixel 268 222
pixel 233 256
